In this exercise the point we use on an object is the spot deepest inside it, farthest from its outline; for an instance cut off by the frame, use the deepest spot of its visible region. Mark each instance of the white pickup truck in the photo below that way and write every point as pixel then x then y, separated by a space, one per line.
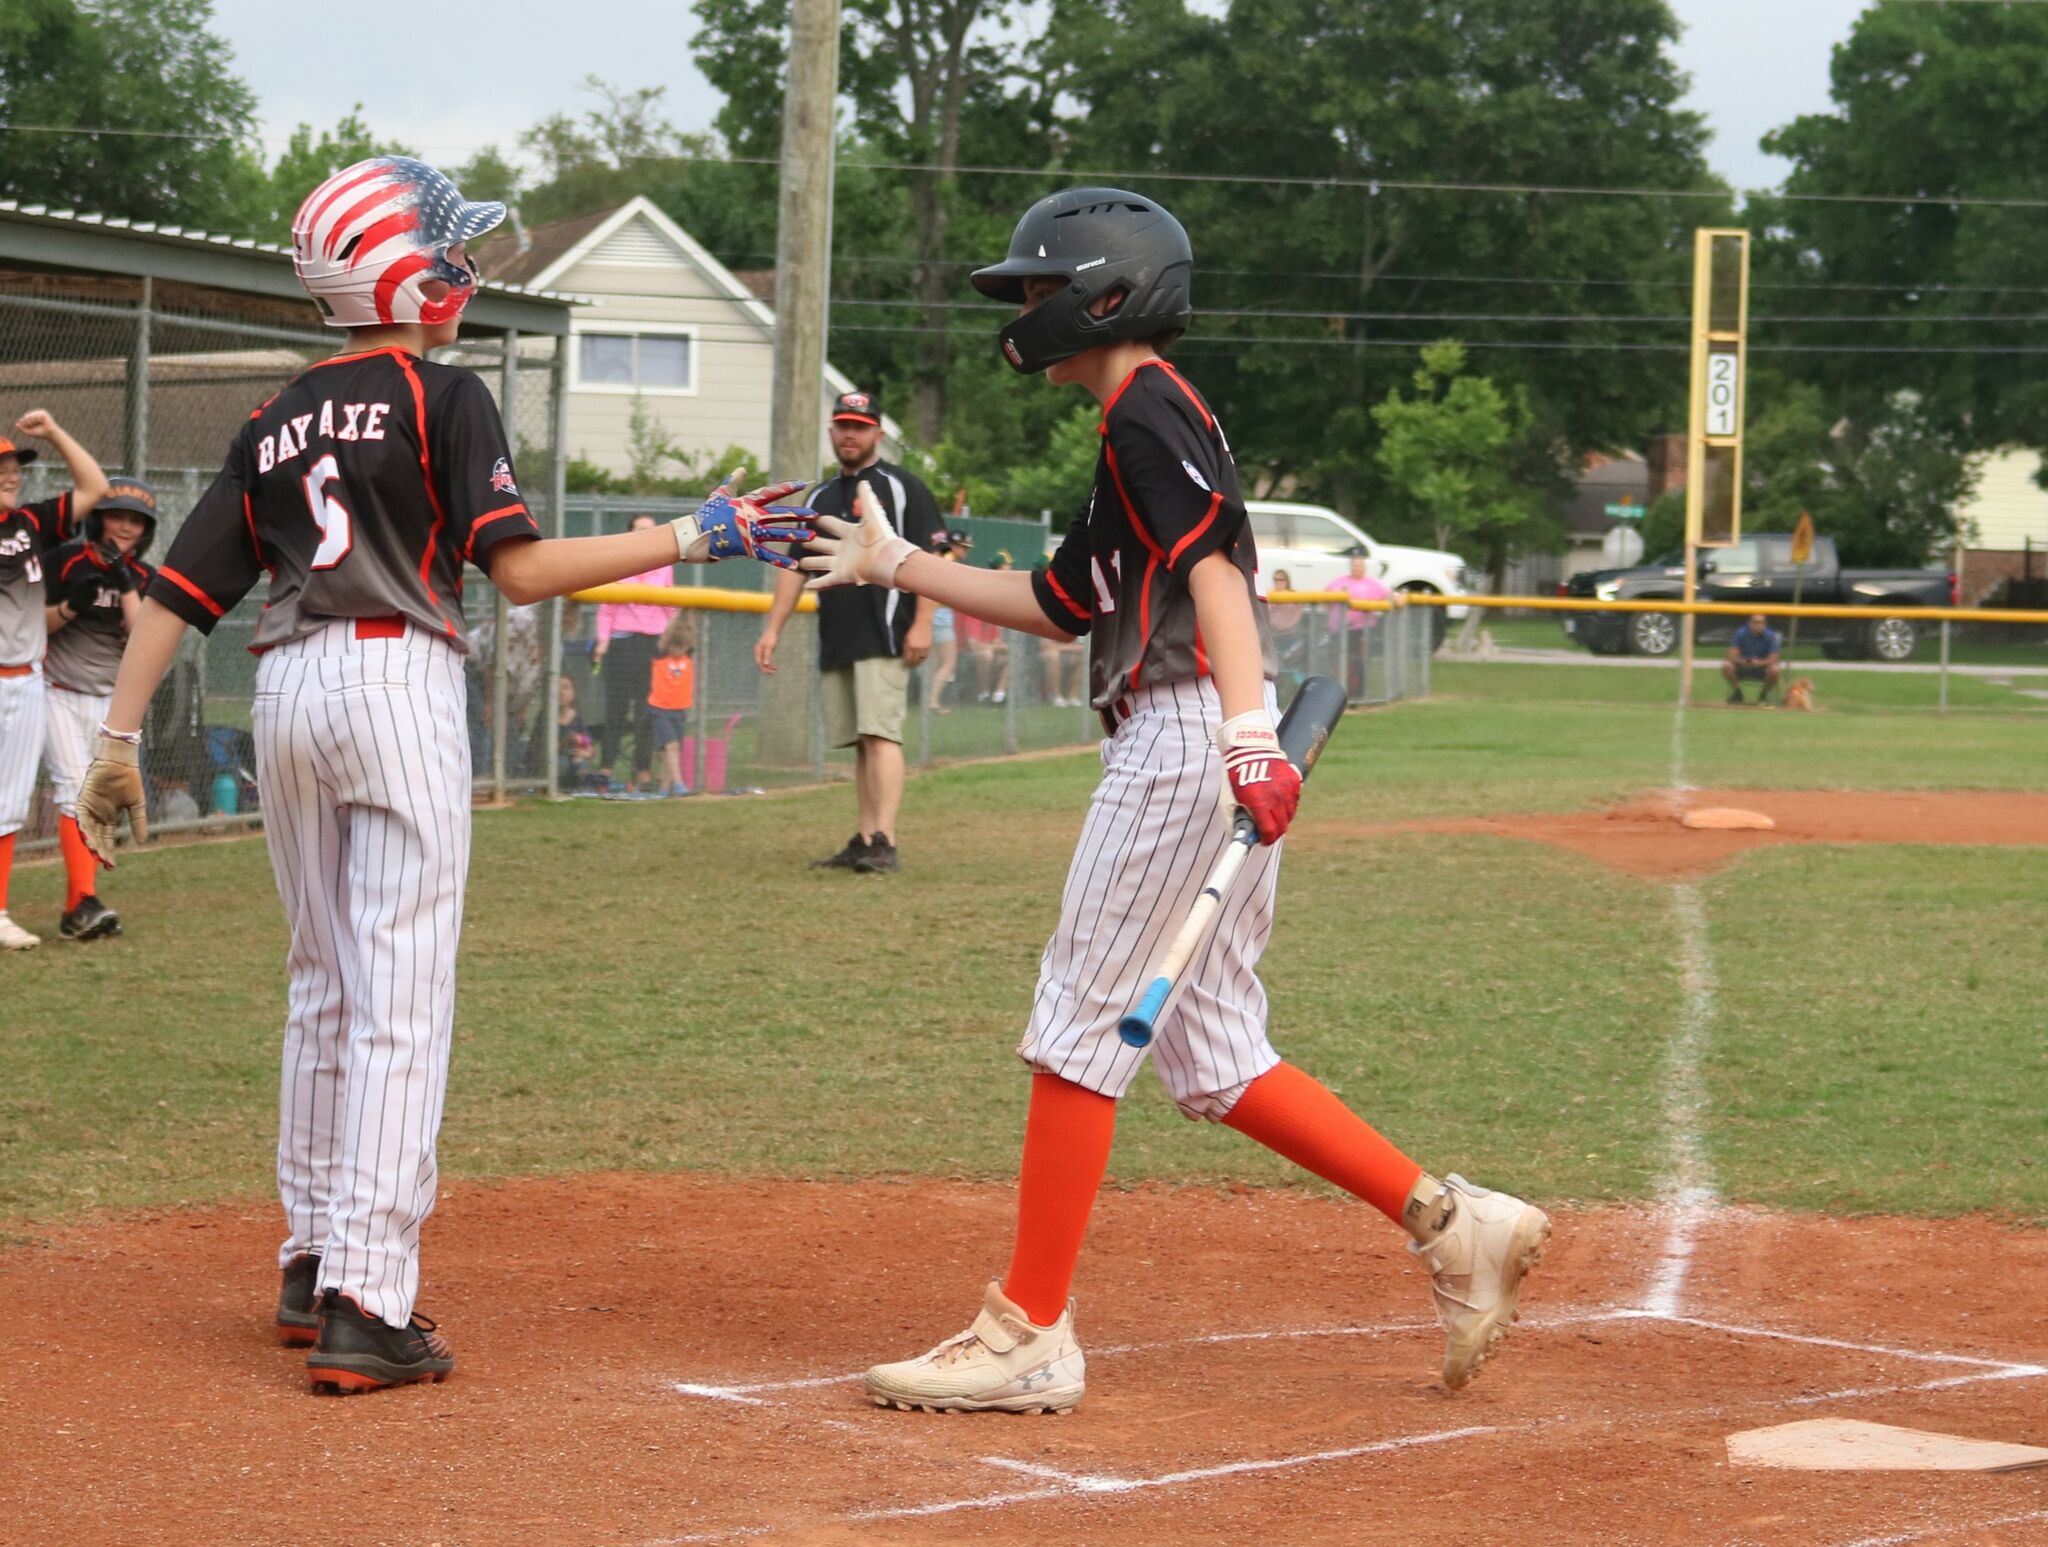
pixel 1310 543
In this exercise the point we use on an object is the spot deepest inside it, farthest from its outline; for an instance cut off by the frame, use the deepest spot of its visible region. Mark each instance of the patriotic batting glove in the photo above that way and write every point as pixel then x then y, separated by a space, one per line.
pixel 863 552
pixel 735 526
pixel 1257 778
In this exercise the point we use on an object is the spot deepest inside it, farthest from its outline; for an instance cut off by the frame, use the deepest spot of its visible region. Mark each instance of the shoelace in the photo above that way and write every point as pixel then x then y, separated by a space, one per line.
pixel 430 1334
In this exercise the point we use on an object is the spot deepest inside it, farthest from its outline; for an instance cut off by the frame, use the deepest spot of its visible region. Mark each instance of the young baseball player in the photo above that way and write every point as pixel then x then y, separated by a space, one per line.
pixel 94 585
pixel 1159 575
pixel 361 489
pixel 29 534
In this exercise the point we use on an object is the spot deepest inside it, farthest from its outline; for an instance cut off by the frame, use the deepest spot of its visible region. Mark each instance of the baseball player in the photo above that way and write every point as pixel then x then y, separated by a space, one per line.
pixel 94 597
pixel 28 535
pixel 1159 575
pixel 361 489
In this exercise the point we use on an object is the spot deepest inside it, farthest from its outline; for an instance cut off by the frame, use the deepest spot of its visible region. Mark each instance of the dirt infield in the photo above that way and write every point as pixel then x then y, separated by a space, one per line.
pixel 1645 838
pixel 665 1359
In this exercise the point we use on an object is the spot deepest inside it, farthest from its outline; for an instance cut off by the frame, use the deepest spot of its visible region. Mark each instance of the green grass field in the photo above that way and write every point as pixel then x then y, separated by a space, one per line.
pixel 664 985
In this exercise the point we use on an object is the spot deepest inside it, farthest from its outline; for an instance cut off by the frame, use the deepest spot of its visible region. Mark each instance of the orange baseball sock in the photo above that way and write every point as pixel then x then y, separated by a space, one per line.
pixel 79 865
pixel 1066 1151
pixel 6 867
pixel 1299 1117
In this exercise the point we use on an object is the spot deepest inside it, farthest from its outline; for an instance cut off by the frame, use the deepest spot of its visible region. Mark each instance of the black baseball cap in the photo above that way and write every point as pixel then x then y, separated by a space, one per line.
pixel 857 407
pixel 958 538
pixel 22 454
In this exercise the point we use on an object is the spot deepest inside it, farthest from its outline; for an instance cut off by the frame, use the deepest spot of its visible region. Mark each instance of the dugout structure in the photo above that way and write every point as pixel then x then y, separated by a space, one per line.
pixel 151 344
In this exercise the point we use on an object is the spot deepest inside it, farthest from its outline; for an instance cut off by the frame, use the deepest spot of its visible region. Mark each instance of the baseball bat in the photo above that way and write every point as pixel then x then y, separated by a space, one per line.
pixel 1318 704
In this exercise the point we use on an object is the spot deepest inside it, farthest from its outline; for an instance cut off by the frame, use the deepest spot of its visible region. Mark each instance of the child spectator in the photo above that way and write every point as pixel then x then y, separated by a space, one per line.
pixel 945 646
pixel 575 752
pixel 671 689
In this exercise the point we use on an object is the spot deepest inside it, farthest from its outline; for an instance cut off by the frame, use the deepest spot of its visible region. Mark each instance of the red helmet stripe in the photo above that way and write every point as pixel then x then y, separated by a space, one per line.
pixel 310 217
pixel 399 272
pixel 390 226
pixel 370 201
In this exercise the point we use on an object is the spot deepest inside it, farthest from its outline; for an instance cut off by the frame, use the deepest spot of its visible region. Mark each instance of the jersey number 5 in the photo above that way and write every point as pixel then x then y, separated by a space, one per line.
pixel 330 517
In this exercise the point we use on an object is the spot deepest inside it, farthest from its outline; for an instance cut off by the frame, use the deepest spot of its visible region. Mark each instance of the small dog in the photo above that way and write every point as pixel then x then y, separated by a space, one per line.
pixel 1799 695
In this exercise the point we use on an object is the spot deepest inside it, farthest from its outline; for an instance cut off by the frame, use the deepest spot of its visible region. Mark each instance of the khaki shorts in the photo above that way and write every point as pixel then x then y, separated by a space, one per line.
pixel 868 698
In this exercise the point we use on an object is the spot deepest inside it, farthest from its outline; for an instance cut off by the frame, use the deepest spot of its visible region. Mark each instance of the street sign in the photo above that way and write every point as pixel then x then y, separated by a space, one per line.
pixel 1802 539
pixel 1625 511
pixel 1622 547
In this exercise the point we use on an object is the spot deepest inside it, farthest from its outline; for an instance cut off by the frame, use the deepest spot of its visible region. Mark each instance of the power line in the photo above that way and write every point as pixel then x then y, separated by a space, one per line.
pixel 1371 185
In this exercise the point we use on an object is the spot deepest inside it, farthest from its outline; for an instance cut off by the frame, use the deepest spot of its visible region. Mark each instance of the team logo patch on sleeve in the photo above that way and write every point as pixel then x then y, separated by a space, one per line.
pixel 501 477
pixel 1195 473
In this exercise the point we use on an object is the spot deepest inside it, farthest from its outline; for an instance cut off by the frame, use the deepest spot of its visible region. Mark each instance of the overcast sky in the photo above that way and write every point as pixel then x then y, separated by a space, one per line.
pixel 1755 64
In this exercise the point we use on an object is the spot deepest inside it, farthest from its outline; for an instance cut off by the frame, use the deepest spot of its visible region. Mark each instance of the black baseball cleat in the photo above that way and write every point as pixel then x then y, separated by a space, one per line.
pixel 880 859
pixel 357 1352
pixel 90 920
pixel 847 858
pixel 298 1317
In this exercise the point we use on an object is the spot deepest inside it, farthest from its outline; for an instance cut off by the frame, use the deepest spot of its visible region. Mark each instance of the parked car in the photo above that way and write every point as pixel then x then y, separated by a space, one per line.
pixel 1311 542
pixel 1758 572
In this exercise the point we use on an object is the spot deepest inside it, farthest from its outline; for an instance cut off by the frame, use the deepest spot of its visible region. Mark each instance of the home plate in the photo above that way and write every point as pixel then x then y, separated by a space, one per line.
pixel 1849 1445
pixel 1724 818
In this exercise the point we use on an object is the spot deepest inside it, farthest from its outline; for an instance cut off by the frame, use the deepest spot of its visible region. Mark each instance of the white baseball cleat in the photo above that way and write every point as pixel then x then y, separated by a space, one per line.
pixel 1001 1364
pixel 1476 1263
pixel 14 938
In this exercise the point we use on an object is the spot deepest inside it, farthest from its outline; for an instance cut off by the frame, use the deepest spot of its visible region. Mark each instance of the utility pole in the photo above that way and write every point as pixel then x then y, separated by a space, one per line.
pixel 803 242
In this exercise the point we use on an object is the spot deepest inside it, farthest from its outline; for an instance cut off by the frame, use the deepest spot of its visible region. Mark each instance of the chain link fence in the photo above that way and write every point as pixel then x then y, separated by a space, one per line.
pixel 160 382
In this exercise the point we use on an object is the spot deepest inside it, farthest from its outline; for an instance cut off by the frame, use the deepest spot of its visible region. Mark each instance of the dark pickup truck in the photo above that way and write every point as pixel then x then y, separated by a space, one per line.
pixel 1758 572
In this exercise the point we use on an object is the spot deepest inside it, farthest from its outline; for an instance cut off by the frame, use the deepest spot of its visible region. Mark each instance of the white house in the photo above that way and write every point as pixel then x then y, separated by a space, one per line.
pixel 665 324
pixel 2007 516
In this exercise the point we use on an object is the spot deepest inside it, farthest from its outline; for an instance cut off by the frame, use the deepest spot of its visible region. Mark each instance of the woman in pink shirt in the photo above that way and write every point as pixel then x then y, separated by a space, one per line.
pixel 627 636
pixel 1362 587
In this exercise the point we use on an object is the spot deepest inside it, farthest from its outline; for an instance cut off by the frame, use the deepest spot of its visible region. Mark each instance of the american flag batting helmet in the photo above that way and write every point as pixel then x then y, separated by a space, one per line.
pixel 368 240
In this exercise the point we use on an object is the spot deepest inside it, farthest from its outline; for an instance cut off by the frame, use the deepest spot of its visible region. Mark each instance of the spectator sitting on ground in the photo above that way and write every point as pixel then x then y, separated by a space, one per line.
pixel 575 754
pixel 1752 657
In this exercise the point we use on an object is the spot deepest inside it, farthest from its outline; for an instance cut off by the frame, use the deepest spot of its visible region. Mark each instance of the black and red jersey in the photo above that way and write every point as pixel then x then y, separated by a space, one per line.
pixel 1165 498
pixel 85 654
pixel 362 489
pixel 27 534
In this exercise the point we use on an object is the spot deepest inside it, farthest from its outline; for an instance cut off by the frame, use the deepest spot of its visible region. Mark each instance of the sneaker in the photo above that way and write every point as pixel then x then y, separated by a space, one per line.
pixel 14 938
pixel 90 920
pixel 846 858
pixel 357 1352
pixel 298 1315
pixel 997 696
pixel 1737 698
pixel 1001 1364
pixel 678 791
pixel 1476 1261
pixel 879 859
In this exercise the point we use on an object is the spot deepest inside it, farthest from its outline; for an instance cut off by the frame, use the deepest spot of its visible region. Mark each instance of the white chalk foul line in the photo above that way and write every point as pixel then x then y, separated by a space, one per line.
pixel 2006 1366
pixel 1901 1539
pixel 1082 1482
pixel 1688 1184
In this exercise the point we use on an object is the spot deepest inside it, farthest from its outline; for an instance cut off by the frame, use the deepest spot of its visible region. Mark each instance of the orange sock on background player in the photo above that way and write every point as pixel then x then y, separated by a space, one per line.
pixel 1298 1116
pixel 79 866
pixel 6 867
pixel 1066 1151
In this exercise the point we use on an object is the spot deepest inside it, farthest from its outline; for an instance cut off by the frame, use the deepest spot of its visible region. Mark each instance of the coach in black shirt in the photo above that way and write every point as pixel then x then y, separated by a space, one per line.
pixel 869 637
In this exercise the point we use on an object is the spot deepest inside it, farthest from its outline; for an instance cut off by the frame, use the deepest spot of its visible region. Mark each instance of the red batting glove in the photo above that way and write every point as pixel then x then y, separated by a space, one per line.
pixel 1257 775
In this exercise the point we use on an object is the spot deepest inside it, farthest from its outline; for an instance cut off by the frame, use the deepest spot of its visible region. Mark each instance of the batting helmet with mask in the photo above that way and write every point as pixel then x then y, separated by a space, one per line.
pixel 371 244
pixel 1100 241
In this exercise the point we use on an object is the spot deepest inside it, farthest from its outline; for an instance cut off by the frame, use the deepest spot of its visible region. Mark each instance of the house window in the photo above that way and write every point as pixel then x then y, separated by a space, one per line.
pixel 637 362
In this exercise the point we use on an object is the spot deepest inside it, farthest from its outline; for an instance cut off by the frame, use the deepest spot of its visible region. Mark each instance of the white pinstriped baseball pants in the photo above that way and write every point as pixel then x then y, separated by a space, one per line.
pixel 22 708
pixel 362 761
pixel 72 723
pixel 1152 834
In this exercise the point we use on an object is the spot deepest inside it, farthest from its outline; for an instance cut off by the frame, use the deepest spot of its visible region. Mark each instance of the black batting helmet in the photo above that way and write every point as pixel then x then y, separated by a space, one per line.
pixel 1099 240
pixel 131 495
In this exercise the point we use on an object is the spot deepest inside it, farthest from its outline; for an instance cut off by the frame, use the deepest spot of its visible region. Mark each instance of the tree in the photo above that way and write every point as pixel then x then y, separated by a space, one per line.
pixel 150 70
pixel 1447 454
pixel 1286 98
pixel 926 79
pixel 303 165
pixel 1942 102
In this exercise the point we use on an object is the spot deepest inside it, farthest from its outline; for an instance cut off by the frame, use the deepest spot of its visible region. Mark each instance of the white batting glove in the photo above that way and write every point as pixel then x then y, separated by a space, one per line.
pixel 862 552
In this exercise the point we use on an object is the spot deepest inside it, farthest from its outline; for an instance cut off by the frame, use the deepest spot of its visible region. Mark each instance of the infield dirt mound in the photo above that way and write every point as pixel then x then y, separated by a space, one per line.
pixel 1262 1368
pixel 1645 837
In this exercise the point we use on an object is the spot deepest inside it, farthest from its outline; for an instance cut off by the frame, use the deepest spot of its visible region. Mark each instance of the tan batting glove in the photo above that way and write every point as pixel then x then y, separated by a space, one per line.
pixel 862 552
pixel 113 784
